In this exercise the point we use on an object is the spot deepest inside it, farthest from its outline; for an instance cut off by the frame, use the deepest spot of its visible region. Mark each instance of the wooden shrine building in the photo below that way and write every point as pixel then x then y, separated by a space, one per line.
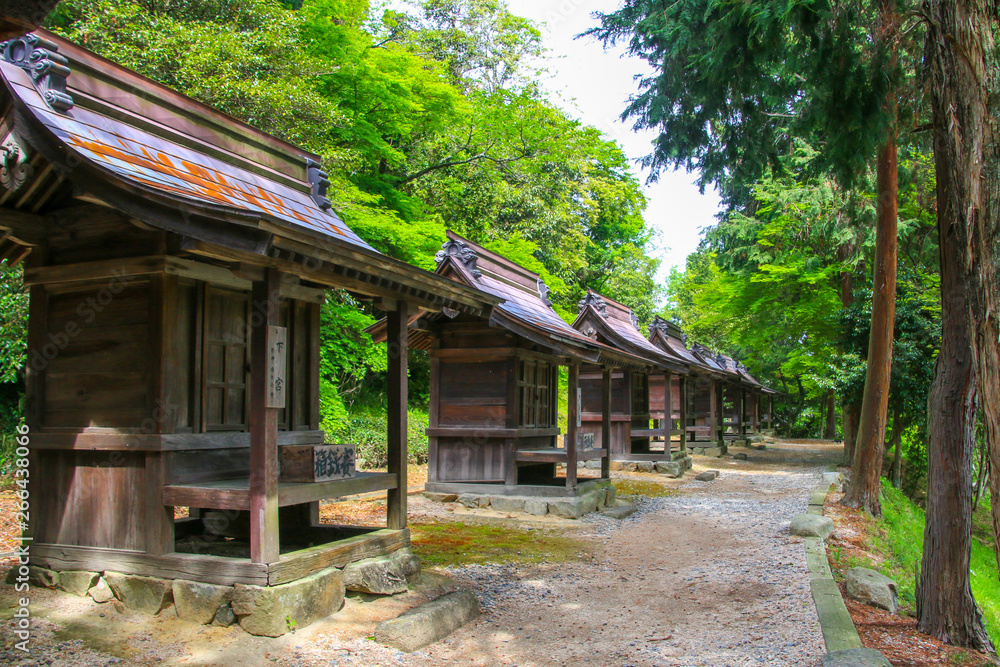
pixel 633 401
pixel 494 420
pixel 721 398
pixel 177 259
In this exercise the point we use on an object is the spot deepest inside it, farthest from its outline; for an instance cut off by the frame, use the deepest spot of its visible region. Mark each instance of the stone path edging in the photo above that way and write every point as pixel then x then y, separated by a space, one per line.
pixel 839 632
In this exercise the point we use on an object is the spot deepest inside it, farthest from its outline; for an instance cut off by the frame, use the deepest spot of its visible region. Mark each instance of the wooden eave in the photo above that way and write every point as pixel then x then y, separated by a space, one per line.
pixel 604 327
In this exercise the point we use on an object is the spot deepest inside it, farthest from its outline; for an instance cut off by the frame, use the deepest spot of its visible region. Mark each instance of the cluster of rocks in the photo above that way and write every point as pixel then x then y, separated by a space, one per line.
pixel 268 611
pixel 567 507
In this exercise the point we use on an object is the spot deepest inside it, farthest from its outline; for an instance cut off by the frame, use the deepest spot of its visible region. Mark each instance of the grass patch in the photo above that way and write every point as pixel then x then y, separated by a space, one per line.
pixel 643 487
pixel 456 543
pixel 899 538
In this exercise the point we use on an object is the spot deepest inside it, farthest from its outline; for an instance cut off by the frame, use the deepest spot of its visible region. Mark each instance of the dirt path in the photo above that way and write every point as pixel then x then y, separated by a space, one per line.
pixel 707 576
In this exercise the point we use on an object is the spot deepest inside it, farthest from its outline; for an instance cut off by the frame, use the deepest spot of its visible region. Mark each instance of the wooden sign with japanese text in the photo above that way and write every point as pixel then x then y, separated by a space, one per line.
pixel 277 352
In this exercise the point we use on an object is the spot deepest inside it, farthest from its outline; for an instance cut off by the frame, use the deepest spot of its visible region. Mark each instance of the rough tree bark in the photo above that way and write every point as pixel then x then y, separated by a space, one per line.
pixel 865 484
pixel 866 467
pixel 986 299
pixel 956 50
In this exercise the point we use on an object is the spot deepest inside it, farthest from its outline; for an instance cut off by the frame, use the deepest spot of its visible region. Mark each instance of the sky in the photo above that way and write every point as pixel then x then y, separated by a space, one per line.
pixel 594 85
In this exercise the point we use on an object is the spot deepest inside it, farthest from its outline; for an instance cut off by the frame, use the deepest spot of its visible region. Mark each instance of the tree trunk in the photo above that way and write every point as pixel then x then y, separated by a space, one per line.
pixel 865 484
pixel 831 415
pixel 955 46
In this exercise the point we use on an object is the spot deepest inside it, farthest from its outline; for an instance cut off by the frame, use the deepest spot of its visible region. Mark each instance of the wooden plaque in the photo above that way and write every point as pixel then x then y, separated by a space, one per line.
pixel 277 352
pixel 316 463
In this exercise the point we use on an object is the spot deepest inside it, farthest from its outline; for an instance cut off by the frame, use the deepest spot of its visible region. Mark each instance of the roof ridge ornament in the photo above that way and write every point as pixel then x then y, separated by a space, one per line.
pixel 592 299
pixel 635 320
pixel 465 255
pixel 543 292
pixel 658 324
pixel 48 69
pixel 319 184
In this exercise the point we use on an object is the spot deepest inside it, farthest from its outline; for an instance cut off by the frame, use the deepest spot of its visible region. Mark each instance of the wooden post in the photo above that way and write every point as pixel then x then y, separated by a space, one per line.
pixel 159 519
pixel 754 417
pixel 434 411
pixel 683 391
pixel 720 412
pixel 626 429
pixel 743 413
pixel 713 410
pixel 572 416
pixel 668 421
pixel 770 413
pixel 397 400
pixel 263 424
pixel 606 421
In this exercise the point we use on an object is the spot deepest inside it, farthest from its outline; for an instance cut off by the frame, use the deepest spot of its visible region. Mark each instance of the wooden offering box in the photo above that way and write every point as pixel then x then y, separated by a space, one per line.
pixel 316 463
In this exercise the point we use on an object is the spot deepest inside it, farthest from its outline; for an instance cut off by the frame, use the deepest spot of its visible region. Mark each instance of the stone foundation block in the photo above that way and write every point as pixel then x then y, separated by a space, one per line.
pixel 574 508
pixel 472 500
pixel 428 623
pixel 507 504
pixel 382 575
pixel 441 497
pixel 536 507
pixel 78 582
pixel 148 595
pixel 272 611
pixel 671 468
pixel 198 602
pixel 101 592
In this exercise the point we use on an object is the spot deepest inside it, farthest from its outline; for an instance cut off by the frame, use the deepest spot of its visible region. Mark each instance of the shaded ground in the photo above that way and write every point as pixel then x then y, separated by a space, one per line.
pixel 705 576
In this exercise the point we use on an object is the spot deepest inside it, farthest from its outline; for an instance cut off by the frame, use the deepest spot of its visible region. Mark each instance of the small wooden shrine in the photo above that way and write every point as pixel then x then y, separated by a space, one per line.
pixel 721 397
pixel 177 259
pixel 634 404
pixel 494 420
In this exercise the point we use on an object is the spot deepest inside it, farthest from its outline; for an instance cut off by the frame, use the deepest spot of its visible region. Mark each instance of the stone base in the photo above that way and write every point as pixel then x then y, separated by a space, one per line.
pixel 715 451
pixel 271 611
pixel 570 507
pixel 428 623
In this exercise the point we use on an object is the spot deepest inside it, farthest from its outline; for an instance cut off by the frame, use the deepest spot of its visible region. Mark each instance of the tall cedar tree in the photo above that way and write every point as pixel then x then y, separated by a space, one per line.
pixel 959 37
pixel 736 82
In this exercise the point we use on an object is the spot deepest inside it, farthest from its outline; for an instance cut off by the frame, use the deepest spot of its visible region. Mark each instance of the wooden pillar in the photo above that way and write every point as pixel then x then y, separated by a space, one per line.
pixel 606 421
pixel 682 386
pixel 770 413
pixel 572 423
pixel 626 425
pixel 263 422
pixel 397 399
pixel 667 425
pixel 158 521
pixel 434 411
pixel 743 413
pixel 720 413
pixel 754 416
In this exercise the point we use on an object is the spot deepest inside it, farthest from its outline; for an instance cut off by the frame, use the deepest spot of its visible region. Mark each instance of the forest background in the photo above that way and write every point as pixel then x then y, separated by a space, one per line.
pixel 432 119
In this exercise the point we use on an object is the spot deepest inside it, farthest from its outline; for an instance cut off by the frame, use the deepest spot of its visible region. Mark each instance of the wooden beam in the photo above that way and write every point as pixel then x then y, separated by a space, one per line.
pixel 572 422
pixel 104 268
pixel 265 297
pixel 396 338
pixel 606 421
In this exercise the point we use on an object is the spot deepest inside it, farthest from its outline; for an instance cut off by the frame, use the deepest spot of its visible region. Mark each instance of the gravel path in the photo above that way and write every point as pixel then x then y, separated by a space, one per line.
pixel 707 577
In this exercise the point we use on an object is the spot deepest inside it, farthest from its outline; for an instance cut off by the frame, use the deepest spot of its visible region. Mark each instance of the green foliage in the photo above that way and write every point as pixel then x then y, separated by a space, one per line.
pixel 425 119
pixel 366 427
pixel 13 323
pixel 900 537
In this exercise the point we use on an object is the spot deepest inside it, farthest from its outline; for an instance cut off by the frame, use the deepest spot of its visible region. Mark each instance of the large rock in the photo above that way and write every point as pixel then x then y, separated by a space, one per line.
pixel 855 657
pixel 78 582
pixel 811 525
pixel 225 617
pixel 101 592
pixel 272 611
pixel 148 595
pixel 198 602
pixel 872 588
pixel 383 575
pixel 671 468
pixel 507 504
pixel 644 466
pixel 430 622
